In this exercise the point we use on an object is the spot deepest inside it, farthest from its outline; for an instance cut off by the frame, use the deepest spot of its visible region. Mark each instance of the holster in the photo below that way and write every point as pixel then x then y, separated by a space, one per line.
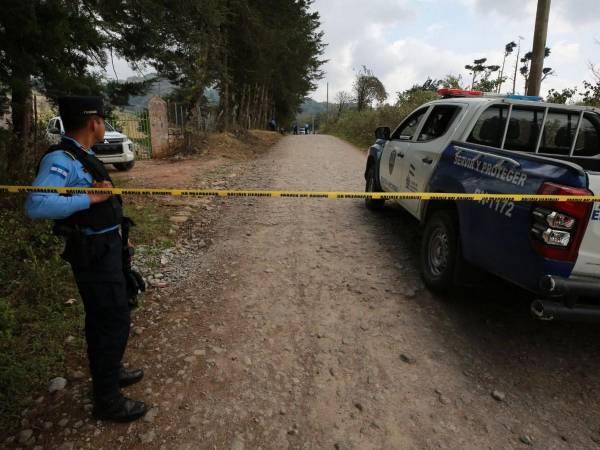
pixel 135 282
pixel 78 250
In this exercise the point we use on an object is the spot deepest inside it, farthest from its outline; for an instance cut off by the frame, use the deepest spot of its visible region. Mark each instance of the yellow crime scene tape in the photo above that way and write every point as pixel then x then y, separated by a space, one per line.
pixel 301 194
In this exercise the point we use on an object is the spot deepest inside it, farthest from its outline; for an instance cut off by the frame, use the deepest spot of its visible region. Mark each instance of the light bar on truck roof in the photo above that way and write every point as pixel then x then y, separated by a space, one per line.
pixel 529 98
pixel 448 92
pixel 461 93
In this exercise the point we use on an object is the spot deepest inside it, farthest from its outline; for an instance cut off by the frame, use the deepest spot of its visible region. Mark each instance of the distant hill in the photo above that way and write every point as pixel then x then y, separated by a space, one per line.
pixel 163 88
pixel 311 106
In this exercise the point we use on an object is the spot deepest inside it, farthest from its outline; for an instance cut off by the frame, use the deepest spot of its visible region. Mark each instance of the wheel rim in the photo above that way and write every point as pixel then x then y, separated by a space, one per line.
pixel 438 251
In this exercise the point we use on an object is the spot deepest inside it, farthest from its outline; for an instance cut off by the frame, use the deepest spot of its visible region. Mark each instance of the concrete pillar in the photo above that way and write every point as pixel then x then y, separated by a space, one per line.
pixel 159 127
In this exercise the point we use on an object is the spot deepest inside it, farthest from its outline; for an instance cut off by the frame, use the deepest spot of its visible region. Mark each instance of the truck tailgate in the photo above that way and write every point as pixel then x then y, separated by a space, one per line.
pixel 588 261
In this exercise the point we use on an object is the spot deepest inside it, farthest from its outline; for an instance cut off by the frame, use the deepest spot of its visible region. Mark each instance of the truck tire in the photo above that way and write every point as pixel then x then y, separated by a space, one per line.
pixel 124 167
pixel 371 204
pixel 440 251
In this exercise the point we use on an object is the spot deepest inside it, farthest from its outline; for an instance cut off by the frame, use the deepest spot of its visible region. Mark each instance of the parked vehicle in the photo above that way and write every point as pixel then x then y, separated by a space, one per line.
pixel 472 143
pixel 117 149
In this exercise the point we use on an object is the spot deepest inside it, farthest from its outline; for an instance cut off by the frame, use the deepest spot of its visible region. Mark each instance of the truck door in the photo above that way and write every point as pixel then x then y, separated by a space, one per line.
pixel 422 157
pixel 396 149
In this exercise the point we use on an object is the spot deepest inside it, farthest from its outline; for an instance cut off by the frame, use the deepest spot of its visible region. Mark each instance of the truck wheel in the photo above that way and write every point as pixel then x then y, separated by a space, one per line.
pixel 124 167
pixel 440 251
pixel 370 187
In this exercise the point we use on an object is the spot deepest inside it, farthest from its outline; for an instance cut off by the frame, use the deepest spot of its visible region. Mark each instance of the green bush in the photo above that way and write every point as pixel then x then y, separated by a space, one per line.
pixel 7 319
pixel 35 318
pixel 358 128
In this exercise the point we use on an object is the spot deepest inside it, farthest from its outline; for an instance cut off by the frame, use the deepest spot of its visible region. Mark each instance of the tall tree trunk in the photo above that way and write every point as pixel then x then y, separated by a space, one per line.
pixel 21 105
pixel 240 110
pixel 256 106
pixel 263 109
pixel 251 95
pixel 500 81
pixel 226 104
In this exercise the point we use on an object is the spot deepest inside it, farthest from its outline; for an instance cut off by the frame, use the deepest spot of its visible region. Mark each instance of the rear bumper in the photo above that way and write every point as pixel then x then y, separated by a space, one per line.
pixel 561 300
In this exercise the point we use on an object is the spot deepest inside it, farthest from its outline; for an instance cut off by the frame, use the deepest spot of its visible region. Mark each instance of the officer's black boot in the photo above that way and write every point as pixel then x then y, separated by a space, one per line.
pixel 129 377
pixel 121 409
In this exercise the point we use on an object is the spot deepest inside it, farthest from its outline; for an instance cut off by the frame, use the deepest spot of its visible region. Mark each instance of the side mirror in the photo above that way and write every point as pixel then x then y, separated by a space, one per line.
pixel 383 133
pixel 119 129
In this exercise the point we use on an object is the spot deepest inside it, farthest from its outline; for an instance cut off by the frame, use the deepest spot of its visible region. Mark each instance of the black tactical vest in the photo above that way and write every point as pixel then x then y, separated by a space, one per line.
pixel 99 215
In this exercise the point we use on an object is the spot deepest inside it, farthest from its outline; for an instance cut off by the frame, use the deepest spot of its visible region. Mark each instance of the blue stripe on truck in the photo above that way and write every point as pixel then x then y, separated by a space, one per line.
pixel 495 235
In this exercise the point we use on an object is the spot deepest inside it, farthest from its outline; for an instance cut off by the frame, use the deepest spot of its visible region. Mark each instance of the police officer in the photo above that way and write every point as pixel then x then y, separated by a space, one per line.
pixel 91 225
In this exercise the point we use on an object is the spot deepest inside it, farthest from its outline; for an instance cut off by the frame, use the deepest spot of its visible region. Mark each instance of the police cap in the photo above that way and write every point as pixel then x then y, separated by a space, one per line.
pixel 80 106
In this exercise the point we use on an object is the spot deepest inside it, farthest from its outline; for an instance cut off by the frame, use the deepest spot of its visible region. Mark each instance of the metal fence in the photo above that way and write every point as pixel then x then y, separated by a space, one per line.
pixel 135 123
pixel 181 119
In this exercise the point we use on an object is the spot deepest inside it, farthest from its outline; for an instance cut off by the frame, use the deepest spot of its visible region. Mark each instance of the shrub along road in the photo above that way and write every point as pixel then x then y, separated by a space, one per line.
pixel 302 323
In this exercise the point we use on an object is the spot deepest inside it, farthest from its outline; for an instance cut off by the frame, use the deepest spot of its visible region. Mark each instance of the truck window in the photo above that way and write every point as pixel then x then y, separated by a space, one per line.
pixel 409 127
pixel 489 128
pixel 524 129
pixel 438 122
pixel 588 141
pixel 559 132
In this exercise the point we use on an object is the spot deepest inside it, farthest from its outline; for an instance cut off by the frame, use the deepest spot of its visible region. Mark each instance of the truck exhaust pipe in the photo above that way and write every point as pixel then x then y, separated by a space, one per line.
pixel 564 294
pixel 553 311
pixel 560 287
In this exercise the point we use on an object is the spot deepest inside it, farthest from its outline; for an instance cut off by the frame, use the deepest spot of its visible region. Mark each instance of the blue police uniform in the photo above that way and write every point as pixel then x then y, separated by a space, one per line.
pixel 96 258
pixel 59 169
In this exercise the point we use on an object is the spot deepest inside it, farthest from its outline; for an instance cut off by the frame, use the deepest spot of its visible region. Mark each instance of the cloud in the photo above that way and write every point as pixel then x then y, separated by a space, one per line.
pixel 398 64
pixel 571 12
pixel 405 41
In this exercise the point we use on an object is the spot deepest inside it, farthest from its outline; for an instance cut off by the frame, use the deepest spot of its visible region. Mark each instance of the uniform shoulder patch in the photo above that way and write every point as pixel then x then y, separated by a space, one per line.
pixel 59 170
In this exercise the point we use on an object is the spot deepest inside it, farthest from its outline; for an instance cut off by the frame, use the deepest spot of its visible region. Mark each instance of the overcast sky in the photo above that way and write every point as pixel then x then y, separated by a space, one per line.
pixel 405 41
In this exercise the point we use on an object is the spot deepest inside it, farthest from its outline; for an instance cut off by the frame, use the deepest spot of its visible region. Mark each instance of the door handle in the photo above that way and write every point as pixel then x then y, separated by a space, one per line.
pixel 401 155
pixel 427 160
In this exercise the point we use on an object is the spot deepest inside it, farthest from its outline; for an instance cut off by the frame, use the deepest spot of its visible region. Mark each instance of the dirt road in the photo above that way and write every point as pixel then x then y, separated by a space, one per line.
pixel 304 324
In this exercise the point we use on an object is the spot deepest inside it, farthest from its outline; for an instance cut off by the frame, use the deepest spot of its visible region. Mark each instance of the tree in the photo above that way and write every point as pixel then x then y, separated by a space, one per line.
pixel 419 93
pixel 508 50
pixel 367 89
pixel 272 58
pixel 52 44
pixel 562 97
pixel 478 67
pixel 591 95
pixel 343 100
pixel 263 56
pixel 452 81
pixel 526 60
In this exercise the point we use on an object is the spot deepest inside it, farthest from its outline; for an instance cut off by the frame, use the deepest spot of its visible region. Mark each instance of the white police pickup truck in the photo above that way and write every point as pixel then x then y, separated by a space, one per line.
pixel 472 143
pixel 117 148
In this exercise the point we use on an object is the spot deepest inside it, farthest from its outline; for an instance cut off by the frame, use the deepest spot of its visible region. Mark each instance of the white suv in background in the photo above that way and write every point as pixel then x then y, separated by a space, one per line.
pixel 117 148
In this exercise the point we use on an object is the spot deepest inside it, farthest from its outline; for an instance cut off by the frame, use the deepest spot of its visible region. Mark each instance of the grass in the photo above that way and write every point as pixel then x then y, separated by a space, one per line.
pixel 358 128
pixel 36 316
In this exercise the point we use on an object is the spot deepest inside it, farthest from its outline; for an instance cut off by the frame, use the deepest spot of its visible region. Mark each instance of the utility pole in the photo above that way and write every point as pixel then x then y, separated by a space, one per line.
pixel 517 66
pixel 539 47
pixel 327 101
